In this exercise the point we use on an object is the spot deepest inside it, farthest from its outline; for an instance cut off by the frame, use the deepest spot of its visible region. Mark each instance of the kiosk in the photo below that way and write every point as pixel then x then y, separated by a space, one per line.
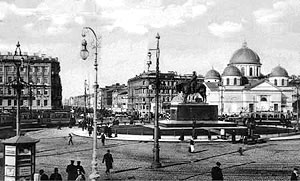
pixel 19 156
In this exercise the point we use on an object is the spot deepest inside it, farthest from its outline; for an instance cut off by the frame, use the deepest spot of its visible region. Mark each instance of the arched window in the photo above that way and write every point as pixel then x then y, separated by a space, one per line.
pixel 282 82
pixel 257 73
pixel 263 99
pixel 243 71
pixel 227 81
pixel 234 81
pixel 275 82
pixel 250 73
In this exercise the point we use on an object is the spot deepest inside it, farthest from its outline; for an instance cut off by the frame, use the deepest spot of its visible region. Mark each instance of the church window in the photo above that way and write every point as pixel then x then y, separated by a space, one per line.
pixel 243 71
pixel 257 73
pixel 227 81
pixel 275 82
pixel 234 81
pixel 250 73
pixel 282 82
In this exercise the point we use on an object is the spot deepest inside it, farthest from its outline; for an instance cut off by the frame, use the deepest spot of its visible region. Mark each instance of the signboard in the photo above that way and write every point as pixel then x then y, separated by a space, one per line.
pixel 10 171
pixel 9 178
pixel 10 150
pixel 24 171
pixel 10 160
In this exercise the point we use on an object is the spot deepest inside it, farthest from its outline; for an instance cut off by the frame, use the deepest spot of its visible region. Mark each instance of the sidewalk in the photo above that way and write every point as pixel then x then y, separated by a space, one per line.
pixel 214 138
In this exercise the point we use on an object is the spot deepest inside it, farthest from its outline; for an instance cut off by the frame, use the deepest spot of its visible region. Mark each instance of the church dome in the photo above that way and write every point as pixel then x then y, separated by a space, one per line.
pixel 279 72
pixel 212 74
pixel 231 70
pixel 244 55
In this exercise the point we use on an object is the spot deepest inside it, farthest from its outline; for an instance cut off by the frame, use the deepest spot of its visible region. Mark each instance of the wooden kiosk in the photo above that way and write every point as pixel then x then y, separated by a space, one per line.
pixel 19 156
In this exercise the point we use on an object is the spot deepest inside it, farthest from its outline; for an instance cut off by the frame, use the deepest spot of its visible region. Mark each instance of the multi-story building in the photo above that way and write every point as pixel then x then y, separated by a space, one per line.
pixel 141 91
pixel 42 91
pixel 120 100
pixel 107 97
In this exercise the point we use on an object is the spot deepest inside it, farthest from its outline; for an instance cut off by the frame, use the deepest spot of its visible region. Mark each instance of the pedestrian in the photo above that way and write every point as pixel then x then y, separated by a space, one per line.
pixel 72 171
pixel 43 176
pixel 294 175
pixel 78 166
pixel 240 150
pixel 90 130
pixel 216 172
pixel 108 159
pixel 103 139
pixel 80 176
pixel 59 125
pixel 70 139
pixel 55 176
pixel 192 145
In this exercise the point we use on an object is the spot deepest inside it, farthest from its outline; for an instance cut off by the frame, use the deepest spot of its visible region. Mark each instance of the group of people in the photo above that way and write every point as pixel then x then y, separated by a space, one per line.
pixel 76 172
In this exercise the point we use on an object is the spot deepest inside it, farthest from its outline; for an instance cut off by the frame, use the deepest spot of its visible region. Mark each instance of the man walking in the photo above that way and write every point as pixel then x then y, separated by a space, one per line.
pixel 108 159
pixel 216 172
pixel 72 171
pixel 70 139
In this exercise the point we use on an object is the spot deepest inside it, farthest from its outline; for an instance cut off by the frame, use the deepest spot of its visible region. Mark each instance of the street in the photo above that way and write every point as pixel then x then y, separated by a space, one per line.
pixel 132 159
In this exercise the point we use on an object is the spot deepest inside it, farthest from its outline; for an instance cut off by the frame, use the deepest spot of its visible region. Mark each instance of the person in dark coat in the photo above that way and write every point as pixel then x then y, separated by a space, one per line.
pixel 72 171
pixel 294 175
pixel 108 159
pixel 43 175
pixel 70 139
pixel 103 139
pixel 216 172
pixel 78 166
pixel 55 176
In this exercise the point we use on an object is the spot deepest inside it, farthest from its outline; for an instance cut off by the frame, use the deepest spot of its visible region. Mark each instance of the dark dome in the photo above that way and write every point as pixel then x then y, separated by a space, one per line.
pixel 279 72
pixel 244 56
pixel 231 70
pixel 212 74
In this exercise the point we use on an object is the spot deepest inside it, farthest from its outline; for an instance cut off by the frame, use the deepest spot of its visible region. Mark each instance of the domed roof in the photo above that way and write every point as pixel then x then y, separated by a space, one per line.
pixel 212 74
pixel 244 55
pixel 279 72
pixel 231 70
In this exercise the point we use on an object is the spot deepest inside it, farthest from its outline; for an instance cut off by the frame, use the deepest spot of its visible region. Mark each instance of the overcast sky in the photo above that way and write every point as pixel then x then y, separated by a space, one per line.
pixel 196 35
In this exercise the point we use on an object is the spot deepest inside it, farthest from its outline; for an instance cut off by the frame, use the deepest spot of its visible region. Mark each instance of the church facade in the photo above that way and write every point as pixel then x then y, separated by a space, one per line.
pixel 243 88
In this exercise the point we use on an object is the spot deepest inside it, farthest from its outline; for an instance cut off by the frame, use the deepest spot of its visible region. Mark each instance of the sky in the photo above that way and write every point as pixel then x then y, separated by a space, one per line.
pixel 195 35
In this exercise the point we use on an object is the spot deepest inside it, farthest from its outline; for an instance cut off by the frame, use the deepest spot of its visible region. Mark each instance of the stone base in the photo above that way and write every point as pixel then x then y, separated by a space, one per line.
pixel 193 112
pixel 199 124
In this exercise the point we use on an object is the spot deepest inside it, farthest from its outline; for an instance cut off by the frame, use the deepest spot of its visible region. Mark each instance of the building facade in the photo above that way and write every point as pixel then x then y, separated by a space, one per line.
pixel 141 91
pixel 42 91
pixel 243 88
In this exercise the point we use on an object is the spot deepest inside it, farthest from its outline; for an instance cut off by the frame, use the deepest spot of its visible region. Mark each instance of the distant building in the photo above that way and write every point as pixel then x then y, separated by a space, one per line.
pixel 141 91
pixel 119 100
pixel 107 97
pixel 243 88
pixel 44 91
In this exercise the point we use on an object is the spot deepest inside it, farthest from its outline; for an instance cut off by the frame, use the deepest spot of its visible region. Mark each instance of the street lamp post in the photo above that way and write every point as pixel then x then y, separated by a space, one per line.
pixel 156 163
pixel 149 62
pixel 18 84
pixel 84 54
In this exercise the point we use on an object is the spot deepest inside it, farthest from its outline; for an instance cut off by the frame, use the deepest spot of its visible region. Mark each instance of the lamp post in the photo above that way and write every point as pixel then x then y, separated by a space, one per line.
pixel 18 84
pixel 149 62
pixel 156 163
pixel 84 54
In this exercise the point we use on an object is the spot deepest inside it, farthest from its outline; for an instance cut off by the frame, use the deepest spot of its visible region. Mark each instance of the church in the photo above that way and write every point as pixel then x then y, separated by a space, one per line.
pixel 242 88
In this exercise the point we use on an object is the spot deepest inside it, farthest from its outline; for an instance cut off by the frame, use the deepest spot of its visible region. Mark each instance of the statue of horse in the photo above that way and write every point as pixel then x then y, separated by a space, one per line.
pixel 188 89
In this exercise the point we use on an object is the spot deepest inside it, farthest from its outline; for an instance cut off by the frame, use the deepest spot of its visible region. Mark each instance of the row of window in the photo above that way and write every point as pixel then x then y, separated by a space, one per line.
pixel 167 83
pixel 14 102
pixel 38 69
pixel 162 91
pixel 35 80
pixel 11 91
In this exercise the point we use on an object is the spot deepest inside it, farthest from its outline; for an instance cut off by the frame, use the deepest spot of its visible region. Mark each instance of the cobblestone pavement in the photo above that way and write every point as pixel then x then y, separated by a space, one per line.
pixel 132 159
